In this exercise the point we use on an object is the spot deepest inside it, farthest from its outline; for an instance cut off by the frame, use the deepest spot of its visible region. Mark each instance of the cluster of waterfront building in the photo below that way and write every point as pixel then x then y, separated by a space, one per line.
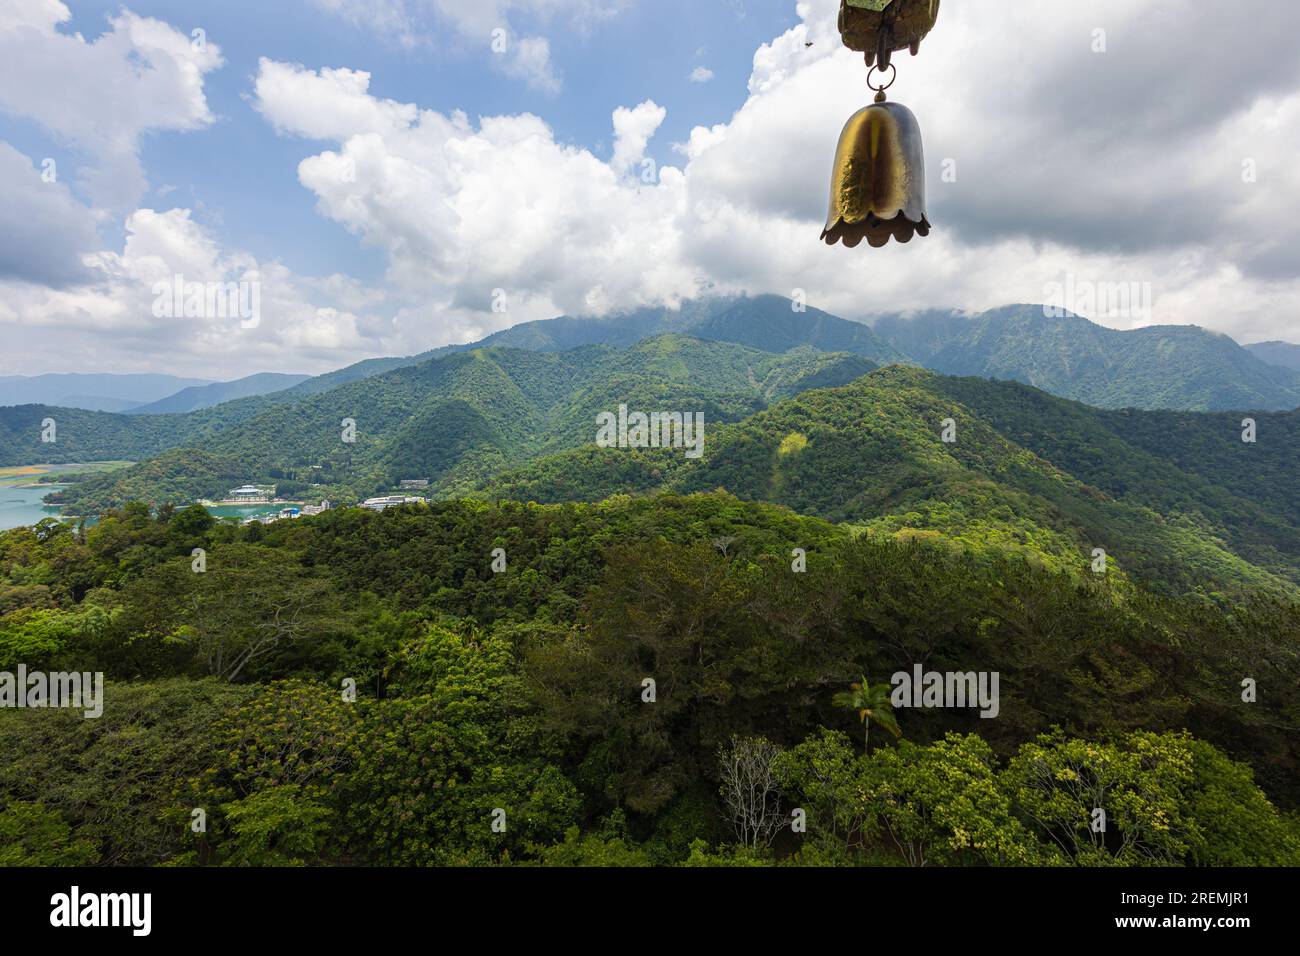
pixel 252 494
pixel 290 512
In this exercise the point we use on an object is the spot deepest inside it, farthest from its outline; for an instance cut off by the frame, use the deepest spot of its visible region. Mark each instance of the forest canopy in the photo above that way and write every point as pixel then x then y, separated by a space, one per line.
pixel 365 688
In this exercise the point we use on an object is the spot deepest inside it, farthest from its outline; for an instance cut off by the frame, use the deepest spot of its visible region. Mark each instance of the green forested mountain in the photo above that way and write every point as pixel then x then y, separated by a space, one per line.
pixel 1162 367
pixel 619 329
pixel 103 436
pixel 149 394
pixel 767 323
pixel 1176 498
pixel 465 416
pixel 1174 367
pixel 770 323
pixel 83 436
pixel 1191 467
pixel 1158 367
pixel 1194 509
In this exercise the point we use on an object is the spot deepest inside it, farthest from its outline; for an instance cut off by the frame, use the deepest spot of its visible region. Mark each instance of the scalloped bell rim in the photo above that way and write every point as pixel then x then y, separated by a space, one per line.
pixel 875 230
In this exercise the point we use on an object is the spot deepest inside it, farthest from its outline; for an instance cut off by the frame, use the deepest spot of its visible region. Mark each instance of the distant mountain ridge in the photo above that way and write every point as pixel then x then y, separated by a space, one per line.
pixel 205 396
pixel 1156 367
pixel 1164 366
pixel 95 391
pixel 136 394
pixel 767 322
pixel 1282 354
pixel 762 322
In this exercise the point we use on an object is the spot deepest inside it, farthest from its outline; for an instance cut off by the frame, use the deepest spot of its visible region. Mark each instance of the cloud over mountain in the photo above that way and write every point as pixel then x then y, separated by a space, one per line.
pixel 1063 142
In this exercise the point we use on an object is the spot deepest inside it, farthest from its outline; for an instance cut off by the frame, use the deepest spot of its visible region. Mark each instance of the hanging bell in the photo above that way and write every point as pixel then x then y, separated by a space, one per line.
pixel 878 181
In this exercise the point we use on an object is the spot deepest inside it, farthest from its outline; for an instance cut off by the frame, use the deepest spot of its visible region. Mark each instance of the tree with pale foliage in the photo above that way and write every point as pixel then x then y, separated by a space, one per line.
pixel 749 789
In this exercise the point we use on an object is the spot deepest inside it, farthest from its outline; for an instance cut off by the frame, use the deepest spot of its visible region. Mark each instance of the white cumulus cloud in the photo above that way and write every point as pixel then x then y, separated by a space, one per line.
pixel 101 97
pixel 1112 167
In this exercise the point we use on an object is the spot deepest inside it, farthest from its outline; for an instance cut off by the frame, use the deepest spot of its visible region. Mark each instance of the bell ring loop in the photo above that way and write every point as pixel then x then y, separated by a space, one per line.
pixel 893 75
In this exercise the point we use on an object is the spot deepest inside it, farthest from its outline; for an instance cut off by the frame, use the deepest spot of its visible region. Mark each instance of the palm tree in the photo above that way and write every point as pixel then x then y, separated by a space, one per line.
pixel 871 701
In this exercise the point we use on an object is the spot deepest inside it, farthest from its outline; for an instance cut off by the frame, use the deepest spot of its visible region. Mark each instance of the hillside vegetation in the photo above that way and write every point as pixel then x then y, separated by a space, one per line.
pixel 362 688
pixel 463 417
pixel 1026 470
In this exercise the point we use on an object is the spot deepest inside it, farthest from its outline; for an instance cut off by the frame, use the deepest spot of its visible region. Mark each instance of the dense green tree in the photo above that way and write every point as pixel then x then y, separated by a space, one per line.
pixel 942 804
pixel 35 835
pixel 278 826
pixel 1106 803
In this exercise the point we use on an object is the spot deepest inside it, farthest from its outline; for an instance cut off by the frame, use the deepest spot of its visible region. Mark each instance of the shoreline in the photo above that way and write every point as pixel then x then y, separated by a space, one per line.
pixel 239 503
pixel 29 476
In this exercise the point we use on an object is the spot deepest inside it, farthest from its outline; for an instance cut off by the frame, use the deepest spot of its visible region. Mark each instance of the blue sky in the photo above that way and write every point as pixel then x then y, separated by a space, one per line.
pixel 241 177
pixel 389 183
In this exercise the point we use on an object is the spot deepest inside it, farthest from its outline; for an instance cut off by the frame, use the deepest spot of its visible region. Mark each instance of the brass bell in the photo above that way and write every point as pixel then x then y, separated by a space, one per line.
pixel 878 180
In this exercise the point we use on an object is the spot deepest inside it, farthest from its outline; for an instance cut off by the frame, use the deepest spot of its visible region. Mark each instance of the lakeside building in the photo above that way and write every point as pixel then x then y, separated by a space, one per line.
pixel 249 493
pixel 389 501
pixel 289 513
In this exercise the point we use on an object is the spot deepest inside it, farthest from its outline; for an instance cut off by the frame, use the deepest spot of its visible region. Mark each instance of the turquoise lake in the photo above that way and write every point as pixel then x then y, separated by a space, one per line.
pixel 20 501
pixel 22 506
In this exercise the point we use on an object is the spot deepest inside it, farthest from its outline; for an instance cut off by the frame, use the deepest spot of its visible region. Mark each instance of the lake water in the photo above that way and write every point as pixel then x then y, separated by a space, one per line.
pixel 20 501
pixel 246 511
pixel 20 496
pixel 22 506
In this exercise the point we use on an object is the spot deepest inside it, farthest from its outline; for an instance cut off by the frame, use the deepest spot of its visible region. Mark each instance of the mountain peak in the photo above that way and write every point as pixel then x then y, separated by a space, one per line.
pixel 1155 366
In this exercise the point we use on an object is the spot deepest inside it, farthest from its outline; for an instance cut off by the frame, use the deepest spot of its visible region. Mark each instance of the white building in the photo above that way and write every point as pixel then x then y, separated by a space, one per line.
pixel 388 501
pixel 247 491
